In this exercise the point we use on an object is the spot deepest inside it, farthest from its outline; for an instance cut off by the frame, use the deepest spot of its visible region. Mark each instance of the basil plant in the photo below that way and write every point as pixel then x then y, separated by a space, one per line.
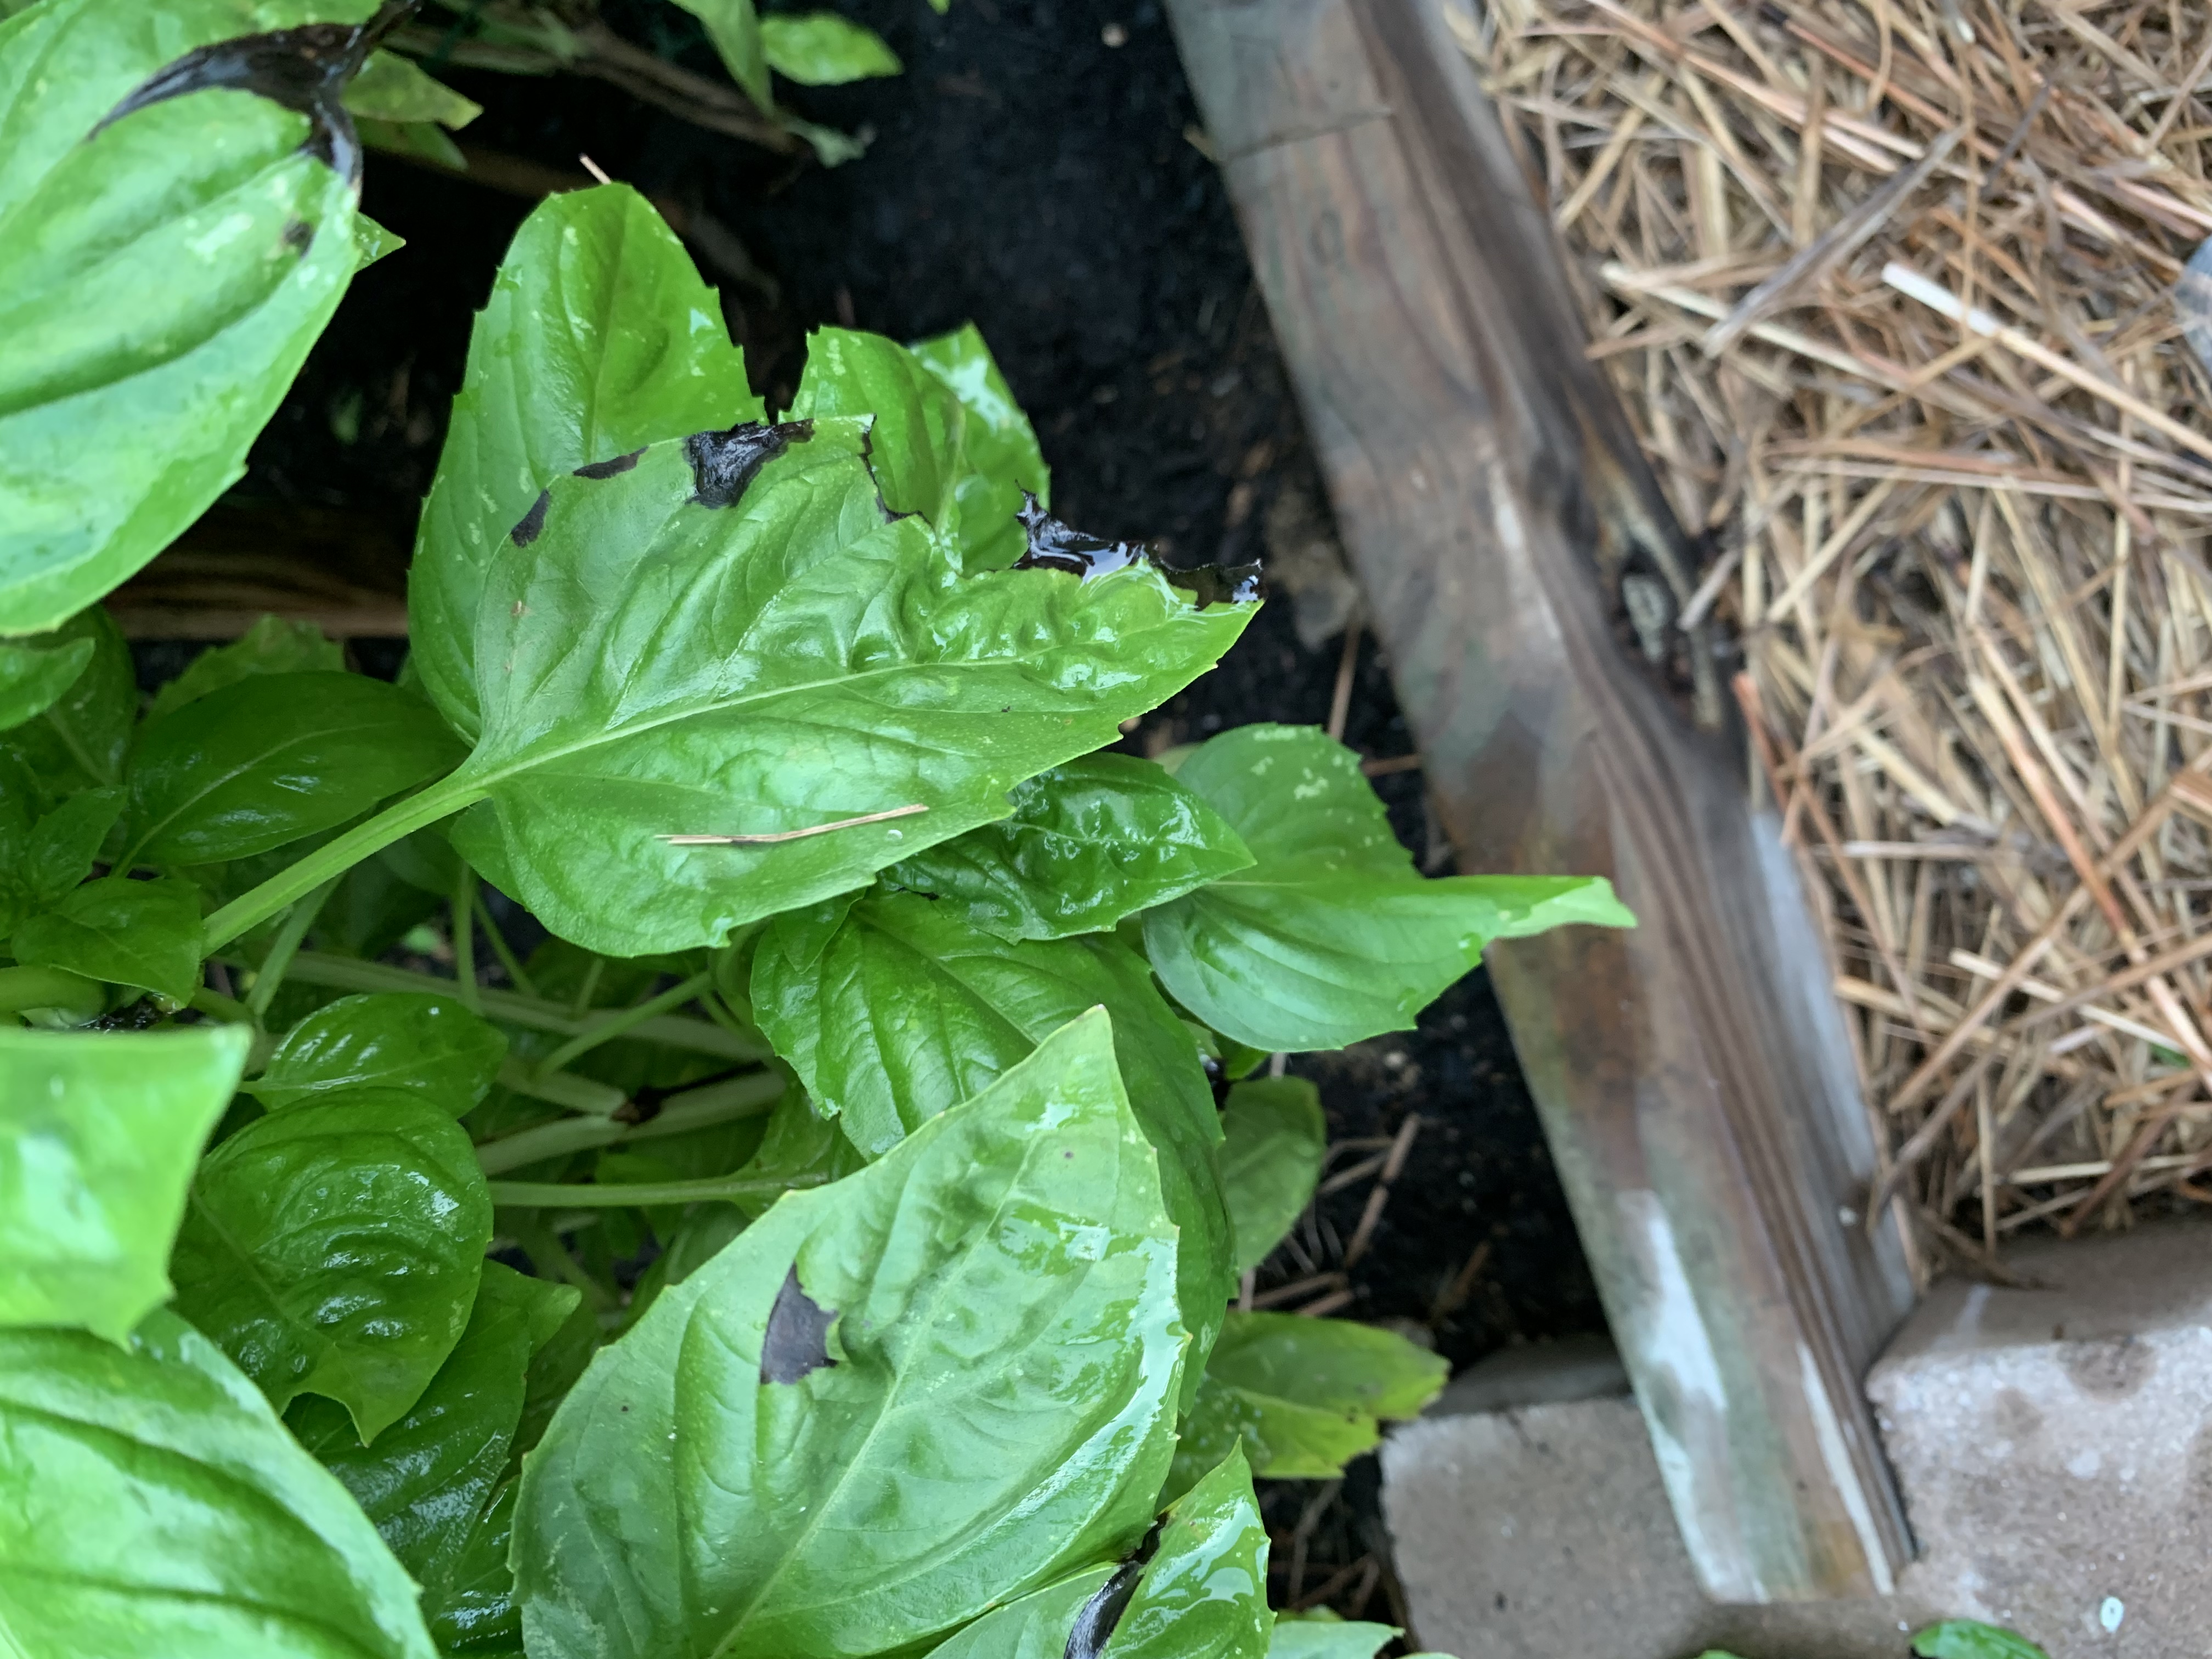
pixel 823 1241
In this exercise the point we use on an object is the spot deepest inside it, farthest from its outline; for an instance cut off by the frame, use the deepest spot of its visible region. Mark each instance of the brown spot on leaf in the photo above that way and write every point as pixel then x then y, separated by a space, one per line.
pixel 531 525
pixel 796 1342
pixel 609 469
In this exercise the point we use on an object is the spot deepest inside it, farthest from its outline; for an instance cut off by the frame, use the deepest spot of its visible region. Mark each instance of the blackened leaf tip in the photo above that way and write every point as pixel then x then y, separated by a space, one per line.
pixel 1053 546
pixel 796 1342
pixel 724 463
pixel 1097 1619
pixel 531 525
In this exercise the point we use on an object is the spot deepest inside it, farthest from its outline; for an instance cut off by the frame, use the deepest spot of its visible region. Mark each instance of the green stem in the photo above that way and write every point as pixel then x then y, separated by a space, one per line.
pixel 558 1195
pixel 610 1026
pixel 503 949
pixel 463 907
pixel 588 989
pixel 695 1109
pixel 334 857
pixel 284 947
pixel 72 995
pixel 549 1255
pixel 566 1090
pixel 215 1005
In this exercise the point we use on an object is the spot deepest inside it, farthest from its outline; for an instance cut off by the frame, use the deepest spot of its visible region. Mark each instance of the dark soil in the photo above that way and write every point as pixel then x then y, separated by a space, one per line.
pixel 1028 175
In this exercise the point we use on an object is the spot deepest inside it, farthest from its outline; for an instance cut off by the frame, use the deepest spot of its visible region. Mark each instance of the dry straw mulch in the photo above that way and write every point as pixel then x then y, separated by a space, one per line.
pixel 1888 290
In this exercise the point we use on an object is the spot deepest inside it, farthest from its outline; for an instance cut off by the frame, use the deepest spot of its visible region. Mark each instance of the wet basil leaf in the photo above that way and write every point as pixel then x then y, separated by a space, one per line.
pixel 274 757
pixel 842 667
pixel 1331 937
pixel 599 336
pixel 156 1504
pixel 1312 1636
pixel 431 1478
pixel 98 1135
pixel 1273 1136
pixel 140 934
pixel 998 454
pixel 821 49
pixel 426 1045
pixel 33 677
pixel 1204 1594
pixel 163 274
pixel 77 742
pixel 914 444
pixel 896 1010
pixel 40 861
pixel 333 1248
pixel 889 1406
pixel 1032 1626
pixel 1302 1396
pixel 273 644
pixel 1088 843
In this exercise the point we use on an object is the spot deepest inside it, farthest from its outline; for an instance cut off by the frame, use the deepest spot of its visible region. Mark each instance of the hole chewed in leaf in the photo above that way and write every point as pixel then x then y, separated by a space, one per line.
pixel 724 463
pixel 1056 546
pixel 304 69
pixel 531 525
pixel 796 1340
pixel 1095 1623
pixel 612 468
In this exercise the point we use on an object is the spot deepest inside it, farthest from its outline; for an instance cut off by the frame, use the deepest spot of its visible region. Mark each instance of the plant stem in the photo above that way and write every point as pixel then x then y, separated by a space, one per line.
pixel 550 1257
pixel 695 1109
pixel 333 859
pixel 463 907
pixel 558 1195
pixel 215 1005
pixel 502 949
pixel 588 989
pixel 71 995
pixel 284 947
pixel 566 1090
pixel 610 1026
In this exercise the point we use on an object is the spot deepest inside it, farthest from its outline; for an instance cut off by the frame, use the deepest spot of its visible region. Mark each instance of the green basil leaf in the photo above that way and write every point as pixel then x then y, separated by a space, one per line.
pixel 1204 1594
pixel 897 1009
pixel 78 740
pixel 273 646
pixel 431 1478
pixel 557 1360
pixel 427 1045
pixel 156 1504
pixel 98 1136
pixel 140 934
pixel 889 1406
pixel 841 668
pixel 598 337
pixel 163 274
pixel 821 49
pixel 1309 1635
pixel 34 677
pixel 390 87
pixel 275 757
pixel 913 444
pixel 1965 1638
pixel 998 454
pixel 1033 1627
pixel 1331 937
pixel 333 1248
pixel 40 862
pixel 1302 1396
pixel 1088 843
pixel 1273 1136
pixel 734 27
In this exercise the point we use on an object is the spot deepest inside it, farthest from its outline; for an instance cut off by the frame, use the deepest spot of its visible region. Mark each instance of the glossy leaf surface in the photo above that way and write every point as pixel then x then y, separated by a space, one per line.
pixel 889 1406
pixel 916 422
pixel 1032 1626
pixel 598 337
pixel 140 933
pixel 1331 937
pixel 274 644
pixel 654 665
pixel 42 860
pixel 274 757
pixel 821 49
pixel 1314 1638
pixel 333 1248
pixel 1088 843
pixel 77 742
pixel 1273 1136
pixel 1303 1396
pixel 895 1010
pixel 430 1046
pixel 1204 1594
pixel 33 677
pixel 161 276
pixel 98 1136
pixel 155 1505
pixel 998 454
pixel 428 1481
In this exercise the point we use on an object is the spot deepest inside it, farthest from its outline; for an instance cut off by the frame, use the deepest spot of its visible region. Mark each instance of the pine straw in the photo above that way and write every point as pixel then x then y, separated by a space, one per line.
pixel 1887 289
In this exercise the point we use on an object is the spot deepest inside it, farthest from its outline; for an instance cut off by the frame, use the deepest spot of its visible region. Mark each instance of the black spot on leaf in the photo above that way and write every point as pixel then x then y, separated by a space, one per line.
pixel 304 69
pixel 531 525
pixel 796 1340
pixel 724 463
pixel 1094 1621
pixel 1056 546
pixel 300 236
pixel 620 464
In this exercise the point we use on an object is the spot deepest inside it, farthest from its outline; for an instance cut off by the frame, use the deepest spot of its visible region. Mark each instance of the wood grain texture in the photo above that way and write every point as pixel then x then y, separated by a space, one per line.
pixel 1694 1075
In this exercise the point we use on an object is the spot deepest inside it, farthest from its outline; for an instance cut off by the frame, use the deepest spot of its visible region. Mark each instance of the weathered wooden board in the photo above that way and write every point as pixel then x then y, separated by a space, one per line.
pixel 1694 1075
